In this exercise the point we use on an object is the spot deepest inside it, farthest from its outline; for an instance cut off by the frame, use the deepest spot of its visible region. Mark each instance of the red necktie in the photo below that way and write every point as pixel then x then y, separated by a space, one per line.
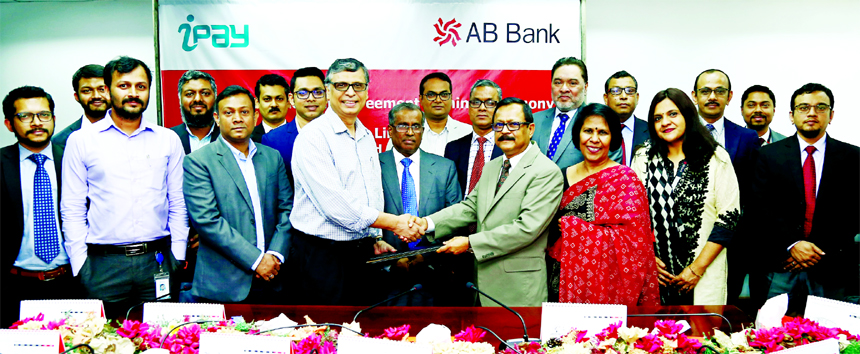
pixel 809 189
pixel 478 166
pixel 623 151
pixel 761 141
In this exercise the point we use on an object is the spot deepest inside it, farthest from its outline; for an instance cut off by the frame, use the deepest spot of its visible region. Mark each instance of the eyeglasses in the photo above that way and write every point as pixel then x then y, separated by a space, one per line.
pixel 403 127
pixel 720 91
pixel 615 91
pixel 819 108
pixel 27 117
pixel 304 94
pixel 431 96
pixel 343 86
pixel 476 103
pixel 512 126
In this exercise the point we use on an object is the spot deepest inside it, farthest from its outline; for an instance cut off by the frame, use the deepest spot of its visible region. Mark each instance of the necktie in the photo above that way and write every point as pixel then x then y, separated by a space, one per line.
pixel 809 189
pixel 506 169
pixel 556 136
pixel 407 194
pixel 712 130
pixel 761 141
pixel 478 165
pixel 46 244
pixel 623 152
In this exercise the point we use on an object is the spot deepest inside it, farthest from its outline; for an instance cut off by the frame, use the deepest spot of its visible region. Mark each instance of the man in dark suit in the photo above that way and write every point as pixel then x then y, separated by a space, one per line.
pixel 758 104
pixel 620 93
pixel 472 152
pixel 197 92
pixel 417 183
pixel 309 100
pixel 271 91
pixel 92 94
pixel 33 262
pixel 239 200
pixel 553 133
pixel 806 189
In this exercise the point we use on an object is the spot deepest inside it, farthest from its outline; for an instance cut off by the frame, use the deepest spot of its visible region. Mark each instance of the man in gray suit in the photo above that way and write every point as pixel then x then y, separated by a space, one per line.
pixel 239 200
pixel 757 109
pixel 427 185
pixel 553 126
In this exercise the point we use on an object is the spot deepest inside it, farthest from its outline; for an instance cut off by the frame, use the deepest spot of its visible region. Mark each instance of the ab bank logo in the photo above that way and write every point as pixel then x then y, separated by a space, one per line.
pixel 447 32
pixel 223 36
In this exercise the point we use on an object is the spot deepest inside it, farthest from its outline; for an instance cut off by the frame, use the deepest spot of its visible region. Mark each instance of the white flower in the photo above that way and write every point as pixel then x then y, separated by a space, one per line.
pixel 118 345
pixel 739 339
pixel 462 348
pixel 723 340
pixel 631 334
pixel 355 326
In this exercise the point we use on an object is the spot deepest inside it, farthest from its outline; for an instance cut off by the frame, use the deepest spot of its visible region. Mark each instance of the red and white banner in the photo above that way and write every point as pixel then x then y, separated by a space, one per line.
pixel 513 43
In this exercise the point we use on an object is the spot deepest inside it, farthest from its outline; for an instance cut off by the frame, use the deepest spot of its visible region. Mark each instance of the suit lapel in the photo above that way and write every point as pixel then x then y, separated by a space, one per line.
pixel 566 138
pixel 228 162
pixel 487 184
pixel 185 139
pixel 427 174
pixel 640 131
pixel 58 166
pixel 515 174
pixel 793 165
pixel 544 132
pixel 390 180
pixel 829 173
pixel 732 138
pixel 12 175
pixel 260 172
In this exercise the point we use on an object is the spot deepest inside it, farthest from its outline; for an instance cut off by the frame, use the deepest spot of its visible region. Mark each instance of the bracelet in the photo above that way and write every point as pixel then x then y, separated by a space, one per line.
pixel 693 271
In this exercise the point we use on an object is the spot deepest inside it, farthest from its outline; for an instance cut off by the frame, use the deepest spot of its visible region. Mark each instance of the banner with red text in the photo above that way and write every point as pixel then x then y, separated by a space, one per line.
pixel 513 43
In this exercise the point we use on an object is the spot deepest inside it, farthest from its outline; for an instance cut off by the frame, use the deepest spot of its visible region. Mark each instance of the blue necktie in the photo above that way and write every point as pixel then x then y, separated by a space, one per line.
pixel 407 195
pixel 44 222
pixel 712 130
pixel 556 136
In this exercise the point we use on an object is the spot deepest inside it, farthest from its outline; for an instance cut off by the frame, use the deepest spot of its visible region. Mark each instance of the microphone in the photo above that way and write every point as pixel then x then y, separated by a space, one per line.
pixel 472 286
pixel 184 287
pixel 312 325
pixel 503 344
pixel 414 288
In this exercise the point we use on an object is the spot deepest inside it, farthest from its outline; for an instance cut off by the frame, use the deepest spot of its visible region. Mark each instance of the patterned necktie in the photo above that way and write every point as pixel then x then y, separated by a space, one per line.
pixel 761 141
pixel 44 222
pixel 556 136
pixel 478 165
pixel 407 194
pixel 809 189
pixel 712 130
pixel 506 169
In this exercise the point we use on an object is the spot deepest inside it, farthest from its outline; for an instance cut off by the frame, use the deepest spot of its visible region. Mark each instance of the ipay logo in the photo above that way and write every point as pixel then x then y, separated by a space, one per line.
pixel 447 32
pixel 487 33
pixel 221 35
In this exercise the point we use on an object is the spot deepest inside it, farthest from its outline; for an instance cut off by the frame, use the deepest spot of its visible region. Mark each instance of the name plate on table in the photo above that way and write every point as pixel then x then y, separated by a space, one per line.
pixel 557 319
pixel 362 345
pixel 157 312
pixel 234 343
pixel 58 309
pixel 832 313
pixel 19 341
pixel 827 346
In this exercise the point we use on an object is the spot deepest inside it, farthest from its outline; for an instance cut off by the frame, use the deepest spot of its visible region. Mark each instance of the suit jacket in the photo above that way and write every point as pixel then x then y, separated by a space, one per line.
pixel 458 151
pixel 439 189
pixel 640 132
pixel 742 145
pixel 183 136
pixel 780 206
pixel 60 138
pixel 774 136
pixel 282 139
pixel 13 206
pixel 566 154
pixel 220 208
pixel 510 243
pixel 257 134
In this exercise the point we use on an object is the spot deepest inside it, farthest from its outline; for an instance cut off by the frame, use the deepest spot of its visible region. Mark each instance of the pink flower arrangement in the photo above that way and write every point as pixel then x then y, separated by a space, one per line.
pixel 395 333
pixel 185 341
pixel 40 317
pixel 470 334
pixel 315 343
pixel 794 332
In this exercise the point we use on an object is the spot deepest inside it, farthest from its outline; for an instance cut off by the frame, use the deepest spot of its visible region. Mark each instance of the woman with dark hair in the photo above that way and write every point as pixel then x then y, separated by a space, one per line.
pixel 604 253
pixel 694 201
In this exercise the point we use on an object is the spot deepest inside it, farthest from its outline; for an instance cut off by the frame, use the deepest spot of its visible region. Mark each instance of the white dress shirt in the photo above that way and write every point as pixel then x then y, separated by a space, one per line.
pixel 414 170
pixel 627 134
pixel 434 143
pixel 766 137
pixel 818 156
pixel 196 143
pixel 719 127
pixel 267 128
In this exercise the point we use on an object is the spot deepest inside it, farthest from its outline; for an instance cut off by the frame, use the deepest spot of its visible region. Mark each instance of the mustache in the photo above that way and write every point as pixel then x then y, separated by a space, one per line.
pixel 274 109
pixel 506 138
pixel 129 100
pixel 94 100
pixel 31 131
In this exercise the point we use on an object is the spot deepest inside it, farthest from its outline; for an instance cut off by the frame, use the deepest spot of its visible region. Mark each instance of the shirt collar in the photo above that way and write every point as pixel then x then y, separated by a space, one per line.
pixel 491 136
pixel 416 157
pixel 107 122
pixel 569 113
pixel 445 129
pixel 24 154
pixel 337 125
pixel 819 145
pixel 516 159
pixel 766 135
pixel 718 125
pixel 211 129
pixel 252 149
pixel 629 123
pixel 85 122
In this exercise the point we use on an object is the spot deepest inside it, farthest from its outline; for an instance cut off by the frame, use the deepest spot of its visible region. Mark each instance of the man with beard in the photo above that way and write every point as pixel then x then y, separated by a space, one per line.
pixel 271 91
pixel 757 109
pixel 806 188
pixel 33 262
pixel 92 94
pixel 621 95
pixel 126 243
pixel 552 133
pixel 197 92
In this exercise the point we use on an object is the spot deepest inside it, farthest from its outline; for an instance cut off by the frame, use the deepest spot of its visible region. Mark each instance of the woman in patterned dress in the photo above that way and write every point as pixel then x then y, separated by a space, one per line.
pixel 693 198
pixel 605 253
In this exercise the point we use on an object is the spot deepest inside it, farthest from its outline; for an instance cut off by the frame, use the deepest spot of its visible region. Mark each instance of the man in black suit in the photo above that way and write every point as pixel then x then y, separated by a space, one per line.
pixel 92 94
pixel 472 152
pixel 197 92
pixel 620 93
pixel 271 91
pixel 806 190
pixel 33 262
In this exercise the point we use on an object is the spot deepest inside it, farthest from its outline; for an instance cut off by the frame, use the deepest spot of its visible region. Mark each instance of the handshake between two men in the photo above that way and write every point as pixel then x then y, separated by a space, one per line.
pixel 415 227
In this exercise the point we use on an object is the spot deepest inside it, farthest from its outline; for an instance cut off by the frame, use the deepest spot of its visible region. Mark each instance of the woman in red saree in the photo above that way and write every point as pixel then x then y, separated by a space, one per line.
pixel 605 250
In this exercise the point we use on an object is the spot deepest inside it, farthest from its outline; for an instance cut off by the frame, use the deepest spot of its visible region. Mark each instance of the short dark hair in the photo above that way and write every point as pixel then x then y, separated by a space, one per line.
pixel 619 75
pixel 87 72
pixel 757 88
pixel 437 75
pixel 698 146
pixel 306 72
pixel 810 88
pixel 527 111
pixel 570 61
pixel 24 92
pixel 124 65
pixel 234 90
pixel 271 80
pixel 696 84
pixel 404 106
pixel 600 110
pixel 195 75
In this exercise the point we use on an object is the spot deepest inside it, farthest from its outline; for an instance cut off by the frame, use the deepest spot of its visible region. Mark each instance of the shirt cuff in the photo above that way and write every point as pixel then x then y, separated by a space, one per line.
pixel 179 247
pixel 277 255
pixel 792 246
pixel 430 225
pixel 257 262
pixel 260 259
